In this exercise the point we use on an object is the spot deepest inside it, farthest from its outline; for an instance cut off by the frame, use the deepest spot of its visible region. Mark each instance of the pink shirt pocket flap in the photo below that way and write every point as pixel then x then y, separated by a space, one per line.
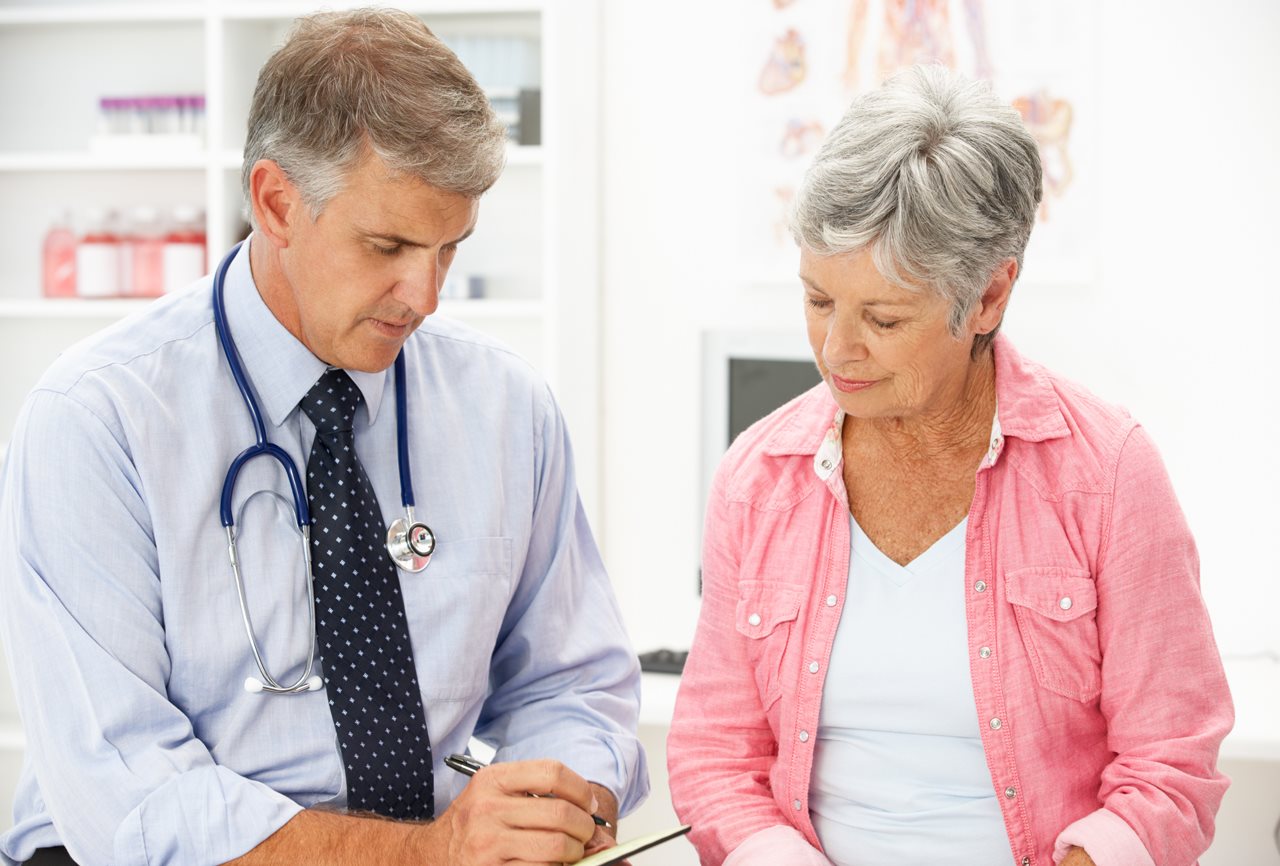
pixel 763 605
pixel 1060 593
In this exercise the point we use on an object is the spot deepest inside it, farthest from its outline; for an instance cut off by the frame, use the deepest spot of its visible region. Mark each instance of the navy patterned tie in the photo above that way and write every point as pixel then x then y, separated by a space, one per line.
pixel 360 621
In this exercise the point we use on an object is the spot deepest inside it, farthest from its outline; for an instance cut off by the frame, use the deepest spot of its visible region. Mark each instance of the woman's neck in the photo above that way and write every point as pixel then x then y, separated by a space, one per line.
pixel 957 428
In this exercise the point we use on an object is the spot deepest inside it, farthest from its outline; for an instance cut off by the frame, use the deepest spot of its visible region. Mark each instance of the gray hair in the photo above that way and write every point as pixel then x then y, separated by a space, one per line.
pixel 936 176
pixel 371 79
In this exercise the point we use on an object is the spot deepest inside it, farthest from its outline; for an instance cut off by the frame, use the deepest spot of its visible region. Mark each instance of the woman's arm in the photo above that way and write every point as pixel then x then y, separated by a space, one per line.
pixel 721 748
pixel 1164 694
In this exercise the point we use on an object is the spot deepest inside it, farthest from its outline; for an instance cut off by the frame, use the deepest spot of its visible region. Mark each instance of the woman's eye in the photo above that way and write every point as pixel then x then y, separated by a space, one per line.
pixel 818 303
pixel 883 325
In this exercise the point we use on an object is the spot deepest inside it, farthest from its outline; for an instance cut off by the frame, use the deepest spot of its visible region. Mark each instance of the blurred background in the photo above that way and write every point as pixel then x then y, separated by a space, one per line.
pixel 634 249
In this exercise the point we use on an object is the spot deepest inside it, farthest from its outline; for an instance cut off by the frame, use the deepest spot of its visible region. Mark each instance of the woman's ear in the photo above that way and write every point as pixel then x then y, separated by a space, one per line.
pixel 990 309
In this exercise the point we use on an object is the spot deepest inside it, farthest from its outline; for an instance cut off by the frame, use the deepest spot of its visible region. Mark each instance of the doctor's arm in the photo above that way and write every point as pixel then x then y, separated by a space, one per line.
pixel 564 680
pixel 119 768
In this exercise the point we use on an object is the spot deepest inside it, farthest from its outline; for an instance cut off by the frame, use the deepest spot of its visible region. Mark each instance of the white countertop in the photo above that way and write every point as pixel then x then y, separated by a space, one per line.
pixel 1255 688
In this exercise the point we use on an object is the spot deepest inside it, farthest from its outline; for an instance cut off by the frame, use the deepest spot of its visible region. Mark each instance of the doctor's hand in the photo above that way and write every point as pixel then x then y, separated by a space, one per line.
pixel 494 820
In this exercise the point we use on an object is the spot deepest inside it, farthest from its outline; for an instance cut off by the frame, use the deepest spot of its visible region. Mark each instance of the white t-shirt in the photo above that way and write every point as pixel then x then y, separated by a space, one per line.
pixel 899 773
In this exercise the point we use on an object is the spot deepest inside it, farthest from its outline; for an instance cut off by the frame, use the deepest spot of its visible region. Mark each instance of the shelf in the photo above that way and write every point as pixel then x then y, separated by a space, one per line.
pixel 516 155
pixel 273 10
pixel 70 308
pixel 12 737
pixel 116 308
pixel 85 161
pixel 86 13
pixel 490 308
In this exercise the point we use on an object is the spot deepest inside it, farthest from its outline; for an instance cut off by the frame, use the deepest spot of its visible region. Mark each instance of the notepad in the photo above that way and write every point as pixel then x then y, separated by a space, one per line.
pixel 623 850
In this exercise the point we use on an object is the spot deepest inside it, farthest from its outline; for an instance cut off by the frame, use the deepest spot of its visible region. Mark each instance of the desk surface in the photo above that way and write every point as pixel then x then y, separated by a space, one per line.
pixel 1255 688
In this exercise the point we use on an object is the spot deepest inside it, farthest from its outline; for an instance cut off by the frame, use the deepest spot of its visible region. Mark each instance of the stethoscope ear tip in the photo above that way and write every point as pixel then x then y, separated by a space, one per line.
pixel 252 685
pixel 315 684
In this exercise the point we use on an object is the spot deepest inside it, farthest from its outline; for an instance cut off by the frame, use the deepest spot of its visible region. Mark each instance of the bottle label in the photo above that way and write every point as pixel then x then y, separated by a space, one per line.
pixel 98 270
pixel 183 265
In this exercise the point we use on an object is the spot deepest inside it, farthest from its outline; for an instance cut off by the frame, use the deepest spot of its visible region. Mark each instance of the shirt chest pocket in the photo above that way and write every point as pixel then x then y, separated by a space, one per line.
pixel 455 609
pixel 1056 611
pixel 765 616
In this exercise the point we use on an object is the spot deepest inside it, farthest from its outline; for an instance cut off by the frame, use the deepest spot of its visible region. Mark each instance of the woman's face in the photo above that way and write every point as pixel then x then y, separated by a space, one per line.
pixel 884 351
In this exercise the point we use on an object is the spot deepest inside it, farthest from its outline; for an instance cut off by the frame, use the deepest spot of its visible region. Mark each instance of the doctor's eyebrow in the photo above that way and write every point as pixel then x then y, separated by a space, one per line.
pixel 406 242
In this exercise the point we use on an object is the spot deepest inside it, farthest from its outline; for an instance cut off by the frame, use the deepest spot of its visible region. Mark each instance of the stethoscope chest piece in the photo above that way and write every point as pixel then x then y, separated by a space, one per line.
pixel 410 543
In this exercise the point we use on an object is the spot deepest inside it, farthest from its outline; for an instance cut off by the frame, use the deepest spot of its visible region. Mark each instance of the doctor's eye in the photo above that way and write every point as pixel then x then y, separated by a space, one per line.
pixel 817 303
pixel 387 251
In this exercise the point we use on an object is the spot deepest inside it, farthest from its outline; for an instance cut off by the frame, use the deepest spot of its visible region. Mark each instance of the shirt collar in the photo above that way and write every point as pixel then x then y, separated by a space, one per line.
pixel 281 369
pixel 1027 408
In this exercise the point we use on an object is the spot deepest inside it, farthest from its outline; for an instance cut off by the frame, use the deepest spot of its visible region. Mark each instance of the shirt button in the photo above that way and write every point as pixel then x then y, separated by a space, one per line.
pixel 795 804
pixel 754 619
pixel 826 464
pixel 985 652
pixel 804 736
pixel 995 724
pixel 831 601
pixel 1065 604
pixel 980 586
pixel 813 667
pixel 1010 792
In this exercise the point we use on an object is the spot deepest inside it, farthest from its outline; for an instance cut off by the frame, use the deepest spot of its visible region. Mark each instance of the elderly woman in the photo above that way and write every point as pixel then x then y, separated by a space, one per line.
pixel 951 608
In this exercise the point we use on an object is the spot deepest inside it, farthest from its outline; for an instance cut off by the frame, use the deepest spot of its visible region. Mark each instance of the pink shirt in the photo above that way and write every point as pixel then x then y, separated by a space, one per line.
pixel 1099 689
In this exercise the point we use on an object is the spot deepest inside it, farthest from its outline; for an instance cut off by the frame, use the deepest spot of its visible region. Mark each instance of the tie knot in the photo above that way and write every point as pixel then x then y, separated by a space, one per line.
pixel 332 402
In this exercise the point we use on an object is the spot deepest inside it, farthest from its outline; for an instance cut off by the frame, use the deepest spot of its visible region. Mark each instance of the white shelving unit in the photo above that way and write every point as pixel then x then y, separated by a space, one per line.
pixel 535 246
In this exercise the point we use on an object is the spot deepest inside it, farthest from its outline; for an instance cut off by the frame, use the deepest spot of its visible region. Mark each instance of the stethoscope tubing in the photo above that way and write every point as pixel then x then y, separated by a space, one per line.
pixel 404 531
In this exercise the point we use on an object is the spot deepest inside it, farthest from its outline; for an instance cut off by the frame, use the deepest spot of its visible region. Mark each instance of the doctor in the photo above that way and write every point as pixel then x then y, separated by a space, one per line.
pixel 130 644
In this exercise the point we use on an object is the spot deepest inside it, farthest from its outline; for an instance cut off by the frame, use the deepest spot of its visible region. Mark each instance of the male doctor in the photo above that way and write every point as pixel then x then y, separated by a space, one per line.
pixel 369 146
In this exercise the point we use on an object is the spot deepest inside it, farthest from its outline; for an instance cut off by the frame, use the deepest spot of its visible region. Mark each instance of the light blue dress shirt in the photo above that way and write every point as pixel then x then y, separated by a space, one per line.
pixel 121 619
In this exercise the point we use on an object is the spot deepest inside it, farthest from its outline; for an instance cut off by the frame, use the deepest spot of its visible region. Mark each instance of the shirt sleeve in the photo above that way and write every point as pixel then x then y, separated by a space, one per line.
pixel 564 679
pixel 119 768
pixel 1165 694
pixel 721 748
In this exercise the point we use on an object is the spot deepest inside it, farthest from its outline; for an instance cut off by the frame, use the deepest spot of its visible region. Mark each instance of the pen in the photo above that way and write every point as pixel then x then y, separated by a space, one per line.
pixel 469 766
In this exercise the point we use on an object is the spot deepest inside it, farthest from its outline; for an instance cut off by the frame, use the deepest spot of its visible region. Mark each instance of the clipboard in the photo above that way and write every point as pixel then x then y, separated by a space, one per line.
pixel 623 850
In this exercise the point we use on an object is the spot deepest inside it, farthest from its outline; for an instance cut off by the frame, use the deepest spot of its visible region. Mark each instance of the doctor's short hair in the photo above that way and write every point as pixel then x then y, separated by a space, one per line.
pixel 935 175
pixel 344 83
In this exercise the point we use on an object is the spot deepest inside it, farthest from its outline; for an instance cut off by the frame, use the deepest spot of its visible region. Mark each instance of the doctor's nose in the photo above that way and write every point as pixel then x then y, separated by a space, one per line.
pixel 419 287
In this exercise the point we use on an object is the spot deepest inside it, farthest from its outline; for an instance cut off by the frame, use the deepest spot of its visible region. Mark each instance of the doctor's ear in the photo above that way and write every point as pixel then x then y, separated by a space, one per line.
pixel 276 203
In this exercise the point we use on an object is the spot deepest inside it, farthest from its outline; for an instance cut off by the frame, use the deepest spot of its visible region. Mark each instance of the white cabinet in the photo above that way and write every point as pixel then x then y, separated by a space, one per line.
pixel 535 246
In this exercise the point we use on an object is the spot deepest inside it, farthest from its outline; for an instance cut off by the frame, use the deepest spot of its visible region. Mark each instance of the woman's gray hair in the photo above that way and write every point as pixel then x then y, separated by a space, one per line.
pixel 936 176
pixel 376 79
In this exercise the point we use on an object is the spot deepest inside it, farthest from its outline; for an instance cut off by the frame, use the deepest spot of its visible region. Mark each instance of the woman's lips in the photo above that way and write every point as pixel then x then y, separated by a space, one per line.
pixel 849 386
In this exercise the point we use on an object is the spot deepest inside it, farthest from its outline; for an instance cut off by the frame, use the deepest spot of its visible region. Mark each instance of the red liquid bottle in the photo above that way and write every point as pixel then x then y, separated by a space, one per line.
pixel 60 259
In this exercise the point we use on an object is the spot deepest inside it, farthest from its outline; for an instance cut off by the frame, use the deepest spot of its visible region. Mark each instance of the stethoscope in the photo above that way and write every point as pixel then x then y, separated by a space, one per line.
pixel 409 541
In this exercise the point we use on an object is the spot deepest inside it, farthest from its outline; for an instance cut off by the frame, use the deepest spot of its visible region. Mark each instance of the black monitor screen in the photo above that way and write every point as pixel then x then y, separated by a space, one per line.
pixel 757 386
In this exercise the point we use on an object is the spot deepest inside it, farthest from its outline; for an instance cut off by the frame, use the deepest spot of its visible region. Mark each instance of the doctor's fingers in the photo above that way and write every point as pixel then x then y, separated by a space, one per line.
pixel 542 778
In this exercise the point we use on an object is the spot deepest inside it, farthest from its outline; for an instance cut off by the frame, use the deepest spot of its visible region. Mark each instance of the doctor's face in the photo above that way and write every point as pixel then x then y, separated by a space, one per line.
pixel 361 277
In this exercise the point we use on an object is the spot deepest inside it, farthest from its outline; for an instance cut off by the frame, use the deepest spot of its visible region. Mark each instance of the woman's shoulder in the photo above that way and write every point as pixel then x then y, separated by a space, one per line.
pixel 1064 424
pixel 779 446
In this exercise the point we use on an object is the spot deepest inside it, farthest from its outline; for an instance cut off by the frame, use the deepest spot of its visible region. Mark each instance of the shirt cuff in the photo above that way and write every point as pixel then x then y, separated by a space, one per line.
pixel 1106 838
pixel 775 845
pixel 205 815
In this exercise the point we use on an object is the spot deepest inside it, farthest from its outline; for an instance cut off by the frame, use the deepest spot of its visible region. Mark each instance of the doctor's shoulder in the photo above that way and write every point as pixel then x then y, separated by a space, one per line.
pixel 172 318
pixel 147 344
pixel 445 347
